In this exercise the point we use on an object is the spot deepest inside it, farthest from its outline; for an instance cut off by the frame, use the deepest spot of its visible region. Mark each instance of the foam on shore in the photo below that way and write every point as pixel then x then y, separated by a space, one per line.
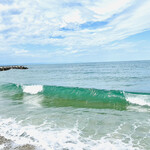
pixel 30 137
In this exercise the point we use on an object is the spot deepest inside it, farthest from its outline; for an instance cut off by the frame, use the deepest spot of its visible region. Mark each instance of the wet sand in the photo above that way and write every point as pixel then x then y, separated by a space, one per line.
pixel 6 144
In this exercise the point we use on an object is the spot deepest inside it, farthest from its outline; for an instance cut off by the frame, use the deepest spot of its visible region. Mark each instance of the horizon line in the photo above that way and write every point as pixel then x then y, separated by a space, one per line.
pixel 69 63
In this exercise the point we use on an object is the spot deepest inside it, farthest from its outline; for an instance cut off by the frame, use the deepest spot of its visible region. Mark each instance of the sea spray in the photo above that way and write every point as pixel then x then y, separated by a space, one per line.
pixel 32 89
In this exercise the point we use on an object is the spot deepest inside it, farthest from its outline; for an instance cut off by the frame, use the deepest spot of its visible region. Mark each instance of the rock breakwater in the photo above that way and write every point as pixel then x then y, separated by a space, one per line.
pixel 5 68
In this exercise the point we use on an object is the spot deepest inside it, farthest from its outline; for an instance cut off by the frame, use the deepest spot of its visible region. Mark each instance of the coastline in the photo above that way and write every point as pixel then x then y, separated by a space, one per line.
pixel 7 144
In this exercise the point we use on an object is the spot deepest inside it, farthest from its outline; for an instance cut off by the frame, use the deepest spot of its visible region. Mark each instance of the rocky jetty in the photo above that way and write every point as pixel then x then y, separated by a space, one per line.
pixel 5 68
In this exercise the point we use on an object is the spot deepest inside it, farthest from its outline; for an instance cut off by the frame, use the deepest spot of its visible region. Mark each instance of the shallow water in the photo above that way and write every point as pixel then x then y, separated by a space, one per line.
pixel 77 106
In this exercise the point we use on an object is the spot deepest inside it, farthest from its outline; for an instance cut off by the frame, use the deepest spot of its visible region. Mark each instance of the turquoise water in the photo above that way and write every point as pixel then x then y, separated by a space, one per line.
pixel 77 106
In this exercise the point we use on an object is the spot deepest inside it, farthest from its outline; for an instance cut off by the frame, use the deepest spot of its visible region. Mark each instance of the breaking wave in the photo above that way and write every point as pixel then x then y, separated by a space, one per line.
pixel 57 96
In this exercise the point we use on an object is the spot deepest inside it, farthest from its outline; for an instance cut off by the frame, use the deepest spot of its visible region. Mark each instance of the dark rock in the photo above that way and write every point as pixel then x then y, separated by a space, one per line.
pixel 12 67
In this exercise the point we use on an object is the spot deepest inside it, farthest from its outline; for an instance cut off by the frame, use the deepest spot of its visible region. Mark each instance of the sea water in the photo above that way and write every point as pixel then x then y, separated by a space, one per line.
pixel 85 106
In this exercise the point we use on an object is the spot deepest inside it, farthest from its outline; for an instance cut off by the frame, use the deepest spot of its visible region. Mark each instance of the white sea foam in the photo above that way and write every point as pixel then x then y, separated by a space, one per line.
pixel 33 100
pixel 2 146
pixel 138 99
pixel 57 138
pixel 32 89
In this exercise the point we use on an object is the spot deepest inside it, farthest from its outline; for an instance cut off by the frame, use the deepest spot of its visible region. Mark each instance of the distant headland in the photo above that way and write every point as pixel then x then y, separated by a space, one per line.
pixel 5 68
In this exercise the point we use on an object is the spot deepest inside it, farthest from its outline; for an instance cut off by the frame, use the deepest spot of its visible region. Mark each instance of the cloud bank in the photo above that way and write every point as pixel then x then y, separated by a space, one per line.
pixel 69 26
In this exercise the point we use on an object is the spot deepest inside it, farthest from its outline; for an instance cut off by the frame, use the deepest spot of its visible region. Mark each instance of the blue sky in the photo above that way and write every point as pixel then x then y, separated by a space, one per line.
pixel 68 31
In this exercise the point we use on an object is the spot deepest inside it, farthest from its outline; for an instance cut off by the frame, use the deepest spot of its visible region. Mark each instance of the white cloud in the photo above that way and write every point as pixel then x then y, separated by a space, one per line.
pixel 134 22
pixel 35 21
pixel 108 8
pixel 21 51
pixel 73 17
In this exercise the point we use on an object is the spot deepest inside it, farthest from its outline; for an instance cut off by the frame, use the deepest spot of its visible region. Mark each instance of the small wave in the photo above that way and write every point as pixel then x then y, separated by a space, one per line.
pixel 32 89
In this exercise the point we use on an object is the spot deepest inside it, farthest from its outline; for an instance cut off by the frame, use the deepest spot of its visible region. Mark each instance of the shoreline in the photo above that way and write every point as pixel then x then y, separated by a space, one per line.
pixel 7 144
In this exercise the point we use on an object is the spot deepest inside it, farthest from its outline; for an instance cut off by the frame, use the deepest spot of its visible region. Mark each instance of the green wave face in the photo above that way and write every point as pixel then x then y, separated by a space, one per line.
pixel 83 98
pixel 53 96
pixel 11 91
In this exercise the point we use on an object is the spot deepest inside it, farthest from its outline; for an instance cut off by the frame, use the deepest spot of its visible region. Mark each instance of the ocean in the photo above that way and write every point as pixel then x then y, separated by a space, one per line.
pixel 82 106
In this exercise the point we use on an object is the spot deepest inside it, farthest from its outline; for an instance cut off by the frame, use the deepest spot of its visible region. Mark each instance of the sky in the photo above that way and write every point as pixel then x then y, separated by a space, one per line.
pixel 72 31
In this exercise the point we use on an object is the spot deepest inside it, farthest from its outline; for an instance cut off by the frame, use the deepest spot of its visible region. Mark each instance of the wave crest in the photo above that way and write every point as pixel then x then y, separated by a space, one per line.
pixel 32 89
pixel 57 96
